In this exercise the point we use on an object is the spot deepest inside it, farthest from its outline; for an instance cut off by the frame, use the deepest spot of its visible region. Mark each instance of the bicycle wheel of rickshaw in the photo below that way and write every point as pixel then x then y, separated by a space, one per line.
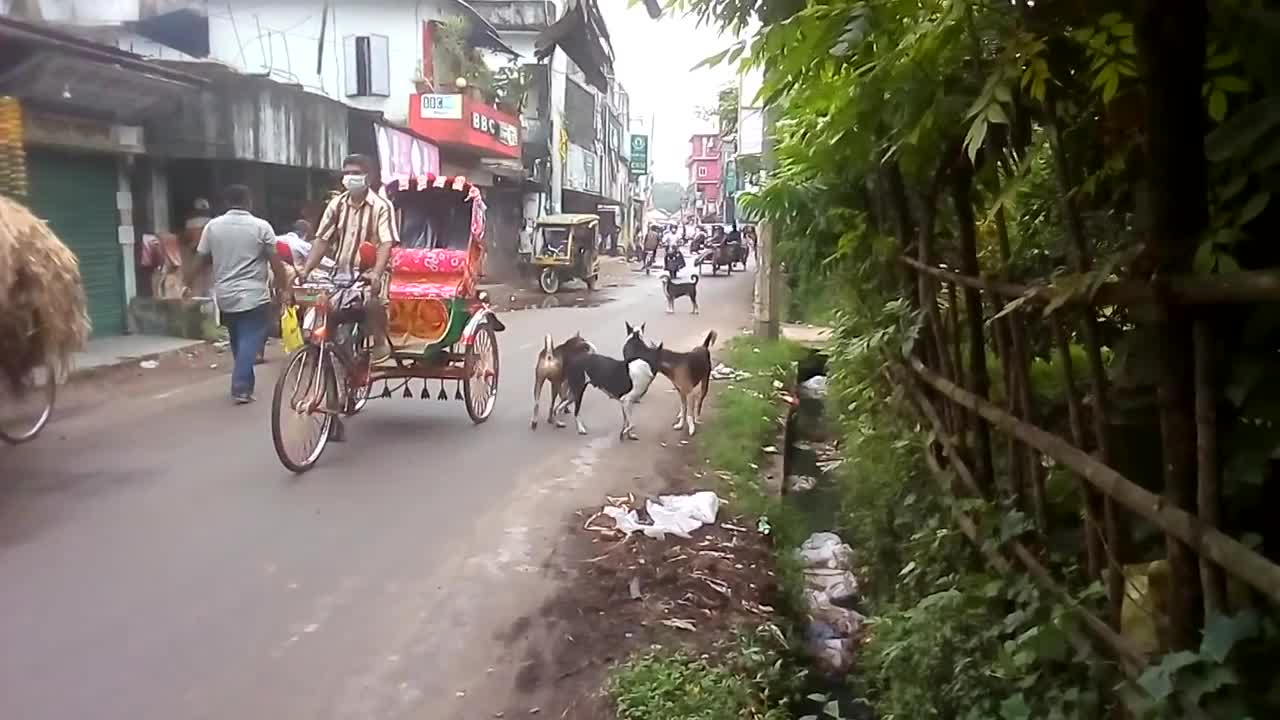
pixel 480 367
pixel 298 431
pixel 25 406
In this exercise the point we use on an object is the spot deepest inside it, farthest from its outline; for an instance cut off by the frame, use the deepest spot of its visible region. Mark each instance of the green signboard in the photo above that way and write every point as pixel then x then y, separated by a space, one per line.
pixel 731 177
pixel 639 154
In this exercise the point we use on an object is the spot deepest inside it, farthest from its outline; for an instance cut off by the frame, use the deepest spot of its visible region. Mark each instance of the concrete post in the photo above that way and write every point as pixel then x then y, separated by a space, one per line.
pixel 768 278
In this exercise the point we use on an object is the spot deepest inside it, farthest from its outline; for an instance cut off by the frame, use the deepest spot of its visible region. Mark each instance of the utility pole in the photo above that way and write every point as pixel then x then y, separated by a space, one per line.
pixel 768 274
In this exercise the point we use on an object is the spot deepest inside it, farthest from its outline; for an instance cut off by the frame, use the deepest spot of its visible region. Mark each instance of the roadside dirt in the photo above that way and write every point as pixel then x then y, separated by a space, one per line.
pixel 620 596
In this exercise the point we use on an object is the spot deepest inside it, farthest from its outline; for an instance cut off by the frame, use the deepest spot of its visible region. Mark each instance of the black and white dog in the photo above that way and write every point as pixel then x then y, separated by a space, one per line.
pixel 673 289
pixel 689 372
pixel 623 380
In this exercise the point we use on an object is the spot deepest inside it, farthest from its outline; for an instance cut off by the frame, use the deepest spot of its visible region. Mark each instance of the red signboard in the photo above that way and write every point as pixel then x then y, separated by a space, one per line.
pixel 481 128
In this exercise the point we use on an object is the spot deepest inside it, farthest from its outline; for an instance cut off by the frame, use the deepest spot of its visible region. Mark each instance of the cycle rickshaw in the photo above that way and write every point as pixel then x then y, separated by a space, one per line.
pixel 441 328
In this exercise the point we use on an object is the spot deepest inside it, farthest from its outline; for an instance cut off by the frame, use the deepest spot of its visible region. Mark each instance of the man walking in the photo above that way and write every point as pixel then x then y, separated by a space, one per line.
pixel 241 248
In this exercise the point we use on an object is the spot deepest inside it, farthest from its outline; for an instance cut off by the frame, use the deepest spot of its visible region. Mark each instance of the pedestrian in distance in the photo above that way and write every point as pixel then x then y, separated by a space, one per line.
pixel 241 248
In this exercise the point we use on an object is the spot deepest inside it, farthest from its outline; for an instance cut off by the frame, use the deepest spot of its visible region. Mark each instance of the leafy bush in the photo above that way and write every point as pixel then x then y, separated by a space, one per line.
pixel 751 680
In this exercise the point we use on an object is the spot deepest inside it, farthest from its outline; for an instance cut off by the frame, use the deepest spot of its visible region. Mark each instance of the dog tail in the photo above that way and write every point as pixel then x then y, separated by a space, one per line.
pixel 711 340
pixel 694 278
pixel 548 344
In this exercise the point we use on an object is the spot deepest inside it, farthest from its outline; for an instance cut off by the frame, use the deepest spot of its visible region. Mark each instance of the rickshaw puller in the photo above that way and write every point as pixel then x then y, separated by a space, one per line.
pixel 358 216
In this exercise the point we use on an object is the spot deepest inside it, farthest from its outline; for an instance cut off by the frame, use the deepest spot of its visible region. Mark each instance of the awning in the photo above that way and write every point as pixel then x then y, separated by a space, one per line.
pixel 582 34
pixel 62 72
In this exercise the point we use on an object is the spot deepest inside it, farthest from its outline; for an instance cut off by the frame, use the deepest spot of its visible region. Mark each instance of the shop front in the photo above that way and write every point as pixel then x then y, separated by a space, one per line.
pixel 84 107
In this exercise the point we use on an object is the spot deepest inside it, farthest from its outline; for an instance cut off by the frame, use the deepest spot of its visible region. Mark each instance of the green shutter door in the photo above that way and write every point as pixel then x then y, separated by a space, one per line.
pixel 76 195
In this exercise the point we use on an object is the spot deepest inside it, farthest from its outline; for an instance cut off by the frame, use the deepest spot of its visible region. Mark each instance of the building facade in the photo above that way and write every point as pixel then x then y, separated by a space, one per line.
pixel 705 165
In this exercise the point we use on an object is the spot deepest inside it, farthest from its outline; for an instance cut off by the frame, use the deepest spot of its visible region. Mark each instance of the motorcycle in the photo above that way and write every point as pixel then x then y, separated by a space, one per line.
pixel 673 261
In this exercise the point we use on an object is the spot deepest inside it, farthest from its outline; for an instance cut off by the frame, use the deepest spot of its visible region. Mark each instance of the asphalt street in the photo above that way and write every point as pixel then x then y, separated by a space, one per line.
pixel 157 562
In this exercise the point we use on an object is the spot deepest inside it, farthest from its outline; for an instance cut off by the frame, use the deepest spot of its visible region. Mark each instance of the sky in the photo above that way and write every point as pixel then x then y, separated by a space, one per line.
pixel 653 61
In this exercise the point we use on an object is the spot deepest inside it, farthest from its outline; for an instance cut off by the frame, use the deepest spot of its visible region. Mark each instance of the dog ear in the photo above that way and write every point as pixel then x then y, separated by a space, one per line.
pixel 642 328
pixel 630 330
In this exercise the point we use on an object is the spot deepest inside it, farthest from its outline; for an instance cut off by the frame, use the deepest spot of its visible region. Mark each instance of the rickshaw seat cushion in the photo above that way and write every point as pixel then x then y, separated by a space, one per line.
pixel 416 261
pixel 418 273
pixel 423 287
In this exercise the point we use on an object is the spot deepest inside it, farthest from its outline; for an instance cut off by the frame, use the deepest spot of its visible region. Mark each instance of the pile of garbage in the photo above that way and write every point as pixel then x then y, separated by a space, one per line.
pixel 815 388
pixel 830 590
pixel 677 515
pixel 724 372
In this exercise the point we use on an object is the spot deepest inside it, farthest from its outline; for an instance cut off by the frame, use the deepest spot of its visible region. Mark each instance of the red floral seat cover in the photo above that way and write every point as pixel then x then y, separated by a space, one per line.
pixel 435 273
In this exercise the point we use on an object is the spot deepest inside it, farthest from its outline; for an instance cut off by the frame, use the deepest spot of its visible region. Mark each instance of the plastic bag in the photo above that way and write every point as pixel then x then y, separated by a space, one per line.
pixel 674 514
pixel 290 331
pixel 826 550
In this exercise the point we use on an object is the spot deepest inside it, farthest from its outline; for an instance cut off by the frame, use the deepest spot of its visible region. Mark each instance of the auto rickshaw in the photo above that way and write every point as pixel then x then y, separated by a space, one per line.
pixel 565 247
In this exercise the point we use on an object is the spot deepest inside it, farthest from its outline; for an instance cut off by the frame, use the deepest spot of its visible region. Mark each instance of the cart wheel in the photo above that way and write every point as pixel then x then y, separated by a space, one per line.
pixel 299 434
pixel 549 281
pixel 25 407
pixel 480 367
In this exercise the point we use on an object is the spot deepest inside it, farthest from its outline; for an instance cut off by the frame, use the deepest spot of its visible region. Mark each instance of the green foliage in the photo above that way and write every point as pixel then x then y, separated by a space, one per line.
pixel 747 419
pixel 749 680
pixel 667 196
pixel 867 92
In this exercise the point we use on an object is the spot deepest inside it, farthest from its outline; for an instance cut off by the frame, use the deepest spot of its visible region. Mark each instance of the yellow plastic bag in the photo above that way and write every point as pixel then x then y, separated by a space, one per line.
pixel 290 331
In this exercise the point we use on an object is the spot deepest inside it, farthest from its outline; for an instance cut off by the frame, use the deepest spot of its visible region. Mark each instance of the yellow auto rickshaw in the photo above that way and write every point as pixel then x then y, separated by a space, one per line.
pixel 566 246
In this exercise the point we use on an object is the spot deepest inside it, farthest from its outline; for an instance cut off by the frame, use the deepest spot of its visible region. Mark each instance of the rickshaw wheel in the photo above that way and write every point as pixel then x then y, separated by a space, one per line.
pixel 549 281
pixel 298 386
pixel 480 367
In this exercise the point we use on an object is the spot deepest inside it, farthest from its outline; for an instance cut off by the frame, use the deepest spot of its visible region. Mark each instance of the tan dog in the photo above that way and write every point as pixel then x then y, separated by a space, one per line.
pixel 689 372
pixel 550 368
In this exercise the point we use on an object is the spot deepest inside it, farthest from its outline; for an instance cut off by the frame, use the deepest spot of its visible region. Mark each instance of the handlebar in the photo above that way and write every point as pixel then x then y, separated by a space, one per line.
pixel 330 283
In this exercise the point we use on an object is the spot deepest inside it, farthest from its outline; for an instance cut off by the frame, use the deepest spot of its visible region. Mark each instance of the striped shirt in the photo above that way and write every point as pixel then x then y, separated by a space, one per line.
pixel 346 223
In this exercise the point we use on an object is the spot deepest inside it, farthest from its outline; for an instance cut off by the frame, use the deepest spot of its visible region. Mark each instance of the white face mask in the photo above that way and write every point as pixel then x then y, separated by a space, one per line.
pixel 355 183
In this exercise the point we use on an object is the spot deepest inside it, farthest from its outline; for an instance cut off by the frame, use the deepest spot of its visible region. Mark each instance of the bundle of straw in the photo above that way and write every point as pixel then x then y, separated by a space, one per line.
pixel 42 303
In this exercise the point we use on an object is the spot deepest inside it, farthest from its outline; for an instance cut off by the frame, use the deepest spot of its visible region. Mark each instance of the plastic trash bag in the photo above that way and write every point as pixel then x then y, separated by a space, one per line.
pixel 814 388
pixel 826 550
pixel 290 331
pixel 675 514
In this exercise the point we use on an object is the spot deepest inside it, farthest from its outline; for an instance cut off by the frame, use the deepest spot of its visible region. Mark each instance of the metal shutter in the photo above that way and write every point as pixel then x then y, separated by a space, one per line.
pixel 76 195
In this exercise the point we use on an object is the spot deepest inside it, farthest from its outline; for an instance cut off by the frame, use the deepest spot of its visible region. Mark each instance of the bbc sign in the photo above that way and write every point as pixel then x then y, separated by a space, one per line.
pixel 505 132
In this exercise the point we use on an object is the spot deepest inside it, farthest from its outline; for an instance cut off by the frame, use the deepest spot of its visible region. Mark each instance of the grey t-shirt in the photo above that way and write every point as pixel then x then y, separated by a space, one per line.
pixel 239 243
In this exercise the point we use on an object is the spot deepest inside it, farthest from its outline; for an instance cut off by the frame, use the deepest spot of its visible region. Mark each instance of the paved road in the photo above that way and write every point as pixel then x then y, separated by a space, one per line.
pixel 156 562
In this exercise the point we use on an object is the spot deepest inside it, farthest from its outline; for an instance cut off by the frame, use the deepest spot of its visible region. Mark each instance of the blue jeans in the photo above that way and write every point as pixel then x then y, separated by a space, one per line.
pixel 248 330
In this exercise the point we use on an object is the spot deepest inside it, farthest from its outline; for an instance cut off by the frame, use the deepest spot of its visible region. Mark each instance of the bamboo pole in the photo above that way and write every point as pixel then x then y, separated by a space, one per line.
pixel 1119 646
pixel 1242 288
pixel 979 380
pixel 1034 470
pixel 1090 501
pixel 1078 253
pixel 1232 555
pixel 1209 487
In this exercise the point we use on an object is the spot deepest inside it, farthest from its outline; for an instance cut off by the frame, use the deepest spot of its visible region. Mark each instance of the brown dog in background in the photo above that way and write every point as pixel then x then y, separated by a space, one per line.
pixel 550 368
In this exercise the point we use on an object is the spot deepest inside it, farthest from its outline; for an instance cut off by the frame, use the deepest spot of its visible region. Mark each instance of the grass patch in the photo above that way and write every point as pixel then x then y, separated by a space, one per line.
pixel 746 420
pixel 747 681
